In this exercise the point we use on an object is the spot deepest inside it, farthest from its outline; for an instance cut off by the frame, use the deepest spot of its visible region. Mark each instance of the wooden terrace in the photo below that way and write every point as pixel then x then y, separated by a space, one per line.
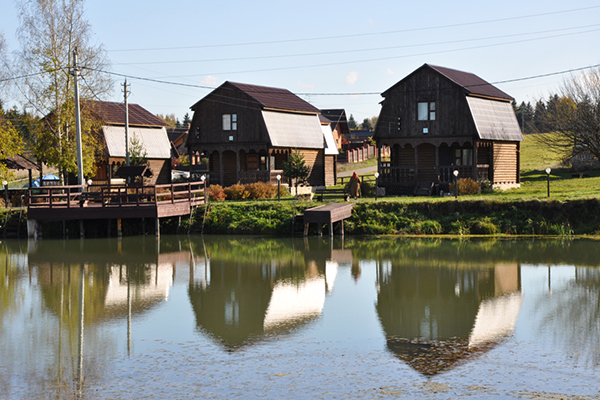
pixel 82 202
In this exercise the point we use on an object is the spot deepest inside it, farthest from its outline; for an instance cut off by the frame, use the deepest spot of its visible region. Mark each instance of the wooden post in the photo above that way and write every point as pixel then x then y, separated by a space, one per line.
pixel 157 227
pixel 305 229
pixel 119 231
pixel 320 229
pixel 81 230
pixel 331 229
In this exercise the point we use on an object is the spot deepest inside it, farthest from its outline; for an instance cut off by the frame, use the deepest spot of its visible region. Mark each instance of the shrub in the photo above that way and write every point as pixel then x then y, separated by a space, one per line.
pixel 465 186
pixel 216 193
pixel 261 190
pixel 237 192
pixel 486 186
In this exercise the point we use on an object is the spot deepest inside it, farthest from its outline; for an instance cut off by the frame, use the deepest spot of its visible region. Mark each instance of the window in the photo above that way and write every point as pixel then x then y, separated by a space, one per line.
pixel 230 122
pixel 426 111
pixel 463 156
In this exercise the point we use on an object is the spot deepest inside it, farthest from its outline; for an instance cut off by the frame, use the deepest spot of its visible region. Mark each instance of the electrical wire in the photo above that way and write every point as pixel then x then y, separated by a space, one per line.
pixel 361 34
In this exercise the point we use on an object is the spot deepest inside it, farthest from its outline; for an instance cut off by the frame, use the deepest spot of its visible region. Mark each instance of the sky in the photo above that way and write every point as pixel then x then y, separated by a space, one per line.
pixel 334 54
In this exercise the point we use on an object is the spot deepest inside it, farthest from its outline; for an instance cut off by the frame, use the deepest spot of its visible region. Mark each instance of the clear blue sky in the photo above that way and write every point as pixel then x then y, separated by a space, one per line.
pixel 330 47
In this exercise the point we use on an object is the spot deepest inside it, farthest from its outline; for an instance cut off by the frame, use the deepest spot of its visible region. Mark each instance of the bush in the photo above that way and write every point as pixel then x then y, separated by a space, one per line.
pixel 261 190
pixel 216 193
pixel 465 186
pixel 486 186
pixel 237 192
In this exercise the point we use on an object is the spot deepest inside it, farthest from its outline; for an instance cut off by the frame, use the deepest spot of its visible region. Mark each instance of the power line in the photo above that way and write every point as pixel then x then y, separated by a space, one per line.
pixel 329 53
pixel 361 34
pixel 343 93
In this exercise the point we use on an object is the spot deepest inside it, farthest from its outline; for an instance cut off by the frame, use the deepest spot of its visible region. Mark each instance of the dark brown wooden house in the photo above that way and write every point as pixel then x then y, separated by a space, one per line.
pixel 248 132
pixel 438 120
pixel 145 127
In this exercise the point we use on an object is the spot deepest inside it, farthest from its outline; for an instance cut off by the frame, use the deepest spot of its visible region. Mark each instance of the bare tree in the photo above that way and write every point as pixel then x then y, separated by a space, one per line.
pixel 49 32
pixel 575 117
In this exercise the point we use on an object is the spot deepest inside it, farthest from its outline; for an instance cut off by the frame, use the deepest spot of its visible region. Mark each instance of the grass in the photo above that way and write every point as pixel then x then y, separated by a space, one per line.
pixel 351 166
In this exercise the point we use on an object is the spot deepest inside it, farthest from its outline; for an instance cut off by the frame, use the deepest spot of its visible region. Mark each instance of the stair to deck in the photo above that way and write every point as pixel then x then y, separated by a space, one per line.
pixel 12 224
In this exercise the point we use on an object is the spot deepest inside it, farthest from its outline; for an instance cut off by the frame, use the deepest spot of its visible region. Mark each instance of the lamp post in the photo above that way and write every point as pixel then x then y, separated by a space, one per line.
pixel 278 187
pixel 89 182
pixel 203 180
pixel 376 184
pixel 5 184
pixel 548 170
pixel 455 183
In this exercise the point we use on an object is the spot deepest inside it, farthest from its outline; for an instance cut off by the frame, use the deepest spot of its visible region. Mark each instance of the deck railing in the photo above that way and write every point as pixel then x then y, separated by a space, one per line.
pixel 406 173
pixel 115 196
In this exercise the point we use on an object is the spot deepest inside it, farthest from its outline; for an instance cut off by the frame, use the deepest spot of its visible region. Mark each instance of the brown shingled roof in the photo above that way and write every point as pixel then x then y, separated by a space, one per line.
pixel 281 99
pixel 270 98
pixel 113 113
pixel 471 83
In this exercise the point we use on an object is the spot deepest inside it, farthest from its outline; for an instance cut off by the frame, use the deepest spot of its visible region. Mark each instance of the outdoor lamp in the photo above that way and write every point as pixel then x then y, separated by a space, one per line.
pixel 203 178
pixel 278 187
pixel 5 183
pixel 455 183
pixel 376 184
pixel 548 170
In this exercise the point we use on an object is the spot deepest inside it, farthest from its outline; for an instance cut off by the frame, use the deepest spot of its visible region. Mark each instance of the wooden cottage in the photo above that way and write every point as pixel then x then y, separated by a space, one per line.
pixel 339 124
pixel 438 120
pixel 144 127
pixel 248 131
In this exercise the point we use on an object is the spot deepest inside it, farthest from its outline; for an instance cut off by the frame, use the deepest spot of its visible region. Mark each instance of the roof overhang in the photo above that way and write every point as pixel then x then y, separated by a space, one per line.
pixel 301 131
pixel 494 120
pixel 154 140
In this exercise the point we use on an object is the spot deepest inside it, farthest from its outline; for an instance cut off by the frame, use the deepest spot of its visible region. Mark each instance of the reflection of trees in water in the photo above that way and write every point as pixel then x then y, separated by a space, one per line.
pixel 470 252
pixel 573 316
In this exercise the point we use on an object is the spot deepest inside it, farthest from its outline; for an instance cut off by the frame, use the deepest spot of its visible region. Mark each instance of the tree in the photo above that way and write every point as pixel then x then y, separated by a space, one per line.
pixel 137 154
pixel 574 114
pixel 186 121
pixel 352 123
pixel 296 170
pixel 10 143
pixel 170 119
pixel 366 125
pixel 49 32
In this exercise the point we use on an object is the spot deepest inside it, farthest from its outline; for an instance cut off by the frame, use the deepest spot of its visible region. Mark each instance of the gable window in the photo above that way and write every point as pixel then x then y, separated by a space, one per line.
pixel 230 122
pixel 426 111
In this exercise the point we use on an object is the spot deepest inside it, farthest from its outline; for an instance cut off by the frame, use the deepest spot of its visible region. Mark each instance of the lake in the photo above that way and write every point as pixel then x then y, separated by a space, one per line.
pixel 240 317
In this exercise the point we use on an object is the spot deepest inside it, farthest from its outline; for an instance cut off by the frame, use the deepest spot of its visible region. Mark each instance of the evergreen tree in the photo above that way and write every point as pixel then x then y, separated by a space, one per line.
pixel 296 170
pixel 352 123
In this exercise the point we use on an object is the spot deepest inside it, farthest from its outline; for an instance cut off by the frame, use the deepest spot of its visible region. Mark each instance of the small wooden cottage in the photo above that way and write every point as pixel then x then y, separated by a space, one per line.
pixel 439 120
pixel 248 131
pixel 144 127
pixel 339 124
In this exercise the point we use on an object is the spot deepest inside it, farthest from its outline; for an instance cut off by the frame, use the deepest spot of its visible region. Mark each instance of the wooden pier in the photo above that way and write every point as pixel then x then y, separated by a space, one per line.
pixel 83 202
pixel 327 214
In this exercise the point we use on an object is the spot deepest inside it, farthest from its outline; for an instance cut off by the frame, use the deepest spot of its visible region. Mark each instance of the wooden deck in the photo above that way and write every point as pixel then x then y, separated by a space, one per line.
pixel 327 214
pixel 62 203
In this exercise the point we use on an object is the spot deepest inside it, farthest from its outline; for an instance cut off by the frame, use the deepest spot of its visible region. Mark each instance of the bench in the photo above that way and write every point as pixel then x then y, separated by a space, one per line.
pixel 321 194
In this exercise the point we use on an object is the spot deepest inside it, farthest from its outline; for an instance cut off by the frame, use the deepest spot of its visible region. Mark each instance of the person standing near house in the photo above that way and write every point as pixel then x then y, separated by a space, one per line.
pixel 355 185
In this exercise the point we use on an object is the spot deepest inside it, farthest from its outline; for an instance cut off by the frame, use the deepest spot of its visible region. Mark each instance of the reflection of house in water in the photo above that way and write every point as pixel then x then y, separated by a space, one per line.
pixel 436 317
pixel 239 302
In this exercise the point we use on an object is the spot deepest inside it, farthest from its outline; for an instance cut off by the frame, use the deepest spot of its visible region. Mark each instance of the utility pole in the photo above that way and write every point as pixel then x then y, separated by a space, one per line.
pixel 75 72
pixel 126 94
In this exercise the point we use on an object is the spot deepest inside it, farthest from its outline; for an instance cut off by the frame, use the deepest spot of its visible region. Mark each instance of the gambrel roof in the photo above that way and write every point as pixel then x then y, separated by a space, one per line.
pixel 470 83
pixel 269 98
pixel 112 113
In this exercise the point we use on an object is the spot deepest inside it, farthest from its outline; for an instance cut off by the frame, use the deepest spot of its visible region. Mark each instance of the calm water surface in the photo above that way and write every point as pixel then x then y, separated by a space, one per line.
pixel 236 317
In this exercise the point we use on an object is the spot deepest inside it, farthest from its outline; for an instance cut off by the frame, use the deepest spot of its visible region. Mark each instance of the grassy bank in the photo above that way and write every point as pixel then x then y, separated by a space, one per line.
pixel 447 216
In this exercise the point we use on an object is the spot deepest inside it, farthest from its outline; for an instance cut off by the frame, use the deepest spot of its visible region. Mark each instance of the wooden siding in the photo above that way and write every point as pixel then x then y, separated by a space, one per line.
pixel 314 160
pixel 505 163
pixel 426 164
pixel 330 175
pixel 452 114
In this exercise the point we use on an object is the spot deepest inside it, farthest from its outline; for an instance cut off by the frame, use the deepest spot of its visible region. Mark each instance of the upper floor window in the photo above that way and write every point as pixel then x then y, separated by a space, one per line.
pixel 230 122
pixel 426 111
